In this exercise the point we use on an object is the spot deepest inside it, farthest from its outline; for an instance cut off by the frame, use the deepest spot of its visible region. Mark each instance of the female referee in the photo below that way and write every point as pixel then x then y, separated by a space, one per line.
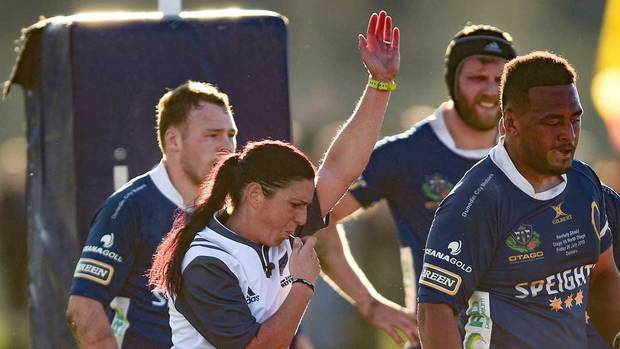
pixel 237 273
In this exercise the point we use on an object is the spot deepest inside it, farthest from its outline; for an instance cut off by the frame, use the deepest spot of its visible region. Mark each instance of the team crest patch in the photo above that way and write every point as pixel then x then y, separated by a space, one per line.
pixel 440 279
pixel 524 239
pixel 436 188
pixel 94 270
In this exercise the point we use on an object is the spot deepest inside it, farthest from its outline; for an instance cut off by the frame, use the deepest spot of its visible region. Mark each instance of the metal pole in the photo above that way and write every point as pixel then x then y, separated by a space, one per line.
pixel 170 7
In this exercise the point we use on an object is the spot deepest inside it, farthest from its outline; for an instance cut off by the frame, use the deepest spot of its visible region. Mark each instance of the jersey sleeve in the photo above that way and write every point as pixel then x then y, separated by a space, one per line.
pixel 108 253
pixel 612 207
pixel 213 303
pixel 380 175
pixel 460 247
pixel 314 219
pixel 609 237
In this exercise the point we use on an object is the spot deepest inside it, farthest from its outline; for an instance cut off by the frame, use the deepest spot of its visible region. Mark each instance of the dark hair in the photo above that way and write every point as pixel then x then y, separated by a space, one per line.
pixel 474 40
pixel 538 68
pixel 174 105
pixel 272 164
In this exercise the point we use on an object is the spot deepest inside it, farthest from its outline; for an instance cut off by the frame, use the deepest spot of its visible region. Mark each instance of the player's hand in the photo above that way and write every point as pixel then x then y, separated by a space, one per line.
pixel 380 49
pixel 304 261
pixel 391 318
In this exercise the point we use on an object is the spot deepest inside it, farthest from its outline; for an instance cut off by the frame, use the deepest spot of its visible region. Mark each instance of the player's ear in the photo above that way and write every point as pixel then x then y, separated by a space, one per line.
pixel 510 123
pixel 173 138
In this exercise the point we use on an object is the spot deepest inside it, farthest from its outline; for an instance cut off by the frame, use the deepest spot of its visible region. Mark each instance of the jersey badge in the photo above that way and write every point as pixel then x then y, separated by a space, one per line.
pixel 524 240
pixel 435 188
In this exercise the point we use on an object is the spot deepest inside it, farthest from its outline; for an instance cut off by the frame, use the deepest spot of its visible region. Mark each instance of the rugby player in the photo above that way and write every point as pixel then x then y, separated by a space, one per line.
pixel 522 242
pixel 413 171
pixel 110 304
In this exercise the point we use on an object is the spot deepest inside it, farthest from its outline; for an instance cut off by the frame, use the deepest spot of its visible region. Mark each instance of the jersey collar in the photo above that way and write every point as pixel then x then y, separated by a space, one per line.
pixel 501 159
pixel 216 224
pixel 159 176
pixel 438 125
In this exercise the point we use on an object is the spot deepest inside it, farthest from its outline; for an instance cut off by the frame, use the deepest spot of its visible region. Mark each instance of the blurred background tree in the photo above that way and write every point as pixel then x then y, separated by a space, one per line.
pixel 326 77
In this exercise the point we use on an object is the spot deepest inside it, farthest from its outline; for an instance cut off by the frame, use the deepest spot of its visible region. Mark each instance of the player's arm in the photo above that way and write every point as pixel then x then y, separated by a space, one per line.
pixel 437 322
pixel 603 300
pixel 89 323
pixel 100 273
pixel 470 238
pixel 349 152
pixel 345 276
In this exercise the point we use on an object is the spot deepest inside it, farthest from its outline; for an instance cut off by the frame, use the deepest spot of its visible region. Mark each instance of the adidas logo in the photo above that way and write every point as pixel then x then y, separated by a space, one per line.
pixel 251 297
pixel 492 47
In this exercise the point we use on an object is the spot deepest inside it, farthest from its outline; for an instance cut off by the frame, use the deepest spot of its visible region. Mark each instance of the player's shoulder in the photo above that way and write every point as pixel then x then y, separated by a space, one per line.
pixel 583 171
pixel 582 168
pixel 134 196
pixel 478 190
pixel 612 199
pixel 609 192
pixel 419 134
pixel 138 186
pixel 483 174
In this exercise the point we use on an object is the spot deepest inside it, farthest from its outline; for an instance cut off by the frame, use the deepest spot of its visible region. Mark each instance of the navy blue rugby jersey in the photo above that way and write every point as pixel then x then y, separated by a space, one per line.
pixel 122 240
pixel 519 262
pixel 612 208
pixel 414 171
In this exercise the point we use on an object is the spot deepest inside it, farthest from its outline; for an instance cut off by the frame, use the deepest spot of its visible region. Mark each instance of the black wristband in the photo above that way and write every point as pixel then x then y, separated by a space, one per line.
pixel 303 281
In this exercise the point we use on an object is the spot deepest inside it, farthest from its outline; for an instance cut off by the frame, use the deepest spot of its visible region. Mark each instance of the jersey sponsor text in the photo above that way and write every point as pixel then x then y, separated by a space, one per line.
pixel 566 280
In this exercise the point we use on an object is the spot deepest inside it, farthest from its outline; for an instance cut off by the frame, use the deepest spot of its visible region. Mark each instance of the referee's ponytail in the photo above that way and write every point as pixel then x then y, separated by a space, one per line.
pixel 272 164
pixel 165 273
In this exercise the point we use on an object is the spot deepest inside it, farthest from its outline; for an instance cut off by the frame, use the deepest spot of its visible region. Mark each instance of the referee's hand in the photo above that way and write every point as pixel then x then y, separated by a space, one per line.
pixel 304 261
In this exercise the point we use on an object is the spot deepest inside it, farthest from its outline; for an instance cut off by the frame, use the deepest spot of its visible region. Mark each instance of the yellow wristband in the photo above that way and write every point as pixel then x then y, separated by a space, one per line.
pixel 382 85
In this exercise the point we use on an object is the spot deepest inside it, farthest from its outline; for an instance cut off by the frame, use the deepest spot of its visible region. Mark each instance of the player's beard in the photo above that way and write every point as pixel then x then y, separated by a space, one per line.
pixel 468 113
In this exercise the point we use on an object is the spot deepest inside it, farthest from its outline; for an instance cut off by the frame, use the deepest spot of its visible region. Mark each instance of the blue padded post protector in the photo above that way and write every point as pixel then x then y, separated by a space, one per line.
pixel 91 87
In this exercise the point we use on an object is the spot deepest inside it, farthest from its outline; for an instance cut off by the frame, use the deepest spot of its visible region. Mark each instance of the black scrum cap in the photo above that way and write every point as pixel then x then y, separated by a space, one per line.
pixel 475 40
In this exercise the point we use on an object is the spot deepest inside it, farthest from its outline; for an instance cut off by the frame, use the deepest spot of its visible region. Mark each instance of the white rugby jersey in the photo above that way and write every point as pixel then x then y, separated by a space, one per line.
pixel 230 286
